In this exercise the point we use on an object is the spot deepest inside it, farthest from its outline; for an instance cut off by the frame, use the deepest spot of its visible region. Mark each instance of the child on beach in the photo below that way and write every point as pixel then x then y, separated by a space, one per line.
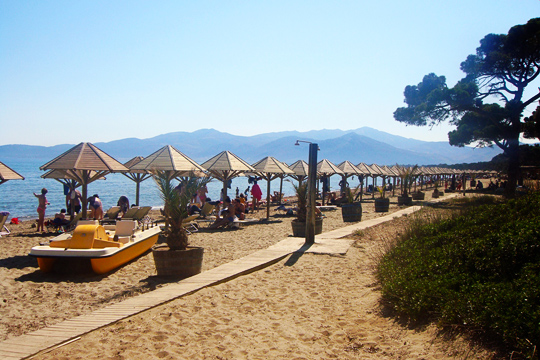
pixel 42 199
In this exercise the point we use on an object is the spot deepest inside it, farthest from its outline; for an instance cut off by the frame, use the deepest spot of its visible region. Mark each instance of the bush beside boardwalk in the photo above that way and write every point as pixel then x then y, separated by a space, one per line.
pixel 477 269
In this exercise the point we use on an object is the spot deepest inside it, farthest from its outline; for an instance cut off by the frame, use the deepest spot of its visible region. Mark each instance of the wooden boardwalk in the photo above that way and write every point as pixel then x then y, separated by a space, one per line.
pixel 50 337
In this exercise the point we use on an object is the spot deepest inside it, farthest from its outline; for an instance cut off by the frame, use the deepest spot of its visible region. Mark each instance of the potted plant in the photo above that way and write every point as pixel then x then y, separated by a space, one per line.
pixel 299 224
pixel 382 204
pixel 407 175
pixel 436 192
pixel 418 195
pixel 351 210
pixel 175 257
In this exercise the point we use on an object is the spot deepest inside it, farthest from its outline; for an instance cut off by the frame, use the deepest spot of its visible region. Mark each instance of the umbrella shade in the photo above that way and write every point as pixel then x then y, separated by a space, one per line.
pixel 7 173
pixel 168 158
pixel 226 166
pixel 138 176
pixel 325 167
pixel 349 168
pixel 86 163
pixel 269 169
pixel 365 170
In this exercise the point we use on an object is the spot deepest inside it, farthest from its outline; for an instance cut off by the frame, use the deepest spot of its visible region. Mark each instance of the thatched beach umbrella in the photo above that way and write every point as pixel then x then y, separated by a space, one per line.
pixel 7 173
pixel 326 169
pixel 66 178
pixel 85 163
pixel 300 170
pixel 391 172
pixel 269 169
pixel 226 166
pixel 169 160
pixel 138 176
pixel 366 171
pixel 375 172
pixel 349 169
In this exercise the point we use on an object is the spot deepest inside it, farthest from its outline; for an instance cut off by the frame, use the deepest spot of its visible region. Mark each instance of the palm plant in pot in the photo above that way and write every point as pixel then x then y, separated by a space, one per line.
pixel 407 175
pixel 299 224
pixel 351 210
pixel 175 257
pixel 436 192
pixel 382 204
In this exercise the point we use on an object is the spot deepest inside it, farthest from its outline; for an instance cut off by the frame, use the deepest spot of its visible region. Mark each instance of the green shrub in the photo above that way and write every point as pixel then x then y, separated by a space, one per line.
pixel 479 268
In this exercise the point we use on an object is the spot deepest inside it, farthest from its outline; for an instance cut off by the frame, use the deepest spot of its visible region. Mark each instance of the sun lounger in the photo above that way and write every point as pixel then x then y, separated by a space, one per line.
pixel 143 211
pixel 111 215
pixel 188 224
pixel 131 212
pixel 3 218
pixel 207 210
pixel 327 207
pixel 236 223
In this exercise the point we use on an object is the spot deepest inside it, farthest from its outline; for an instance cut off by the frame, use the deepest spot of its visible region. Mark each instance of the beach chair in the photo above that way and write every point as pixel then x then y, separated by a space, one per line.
pixel 131 212
pixel 188 224
pixel 207 210
pixel 112 213
pixel 143 211
pixel 3 218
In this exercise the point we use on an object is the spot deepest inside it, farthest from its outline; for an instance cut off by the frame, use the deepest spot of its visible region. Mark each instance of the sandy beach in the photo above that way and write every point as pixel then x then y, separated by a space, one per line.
pixel 311 307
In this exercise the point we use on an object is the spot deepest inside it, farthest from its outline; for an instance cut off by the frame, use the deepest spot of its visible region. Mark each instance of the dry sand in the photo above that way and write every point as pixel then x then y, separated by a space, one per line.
pixel 307 307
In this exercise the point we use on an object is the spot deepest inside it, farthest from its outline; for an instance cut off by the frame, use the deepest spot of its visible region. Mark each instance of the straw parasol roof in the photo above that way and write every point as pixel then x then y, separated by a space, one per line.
pixel 269 169
pixel 169 159
pixel 86 163
pixel 365 169
pixel 325 167
pixel 136 175
pixel 7 173
pixel 349 168
pixel 226 166
pixel 300 169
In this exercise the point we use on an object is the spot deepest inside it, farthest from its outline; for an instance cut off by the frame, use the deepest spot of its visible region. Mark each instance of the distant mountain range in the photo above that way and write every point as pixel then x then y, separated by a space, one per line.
pixel 361 145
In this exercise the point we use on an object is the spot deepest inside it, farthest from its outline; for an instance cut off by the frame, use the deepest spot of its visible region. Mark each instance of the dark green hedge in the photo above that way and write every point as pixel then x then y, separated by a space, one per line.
pixel 479 269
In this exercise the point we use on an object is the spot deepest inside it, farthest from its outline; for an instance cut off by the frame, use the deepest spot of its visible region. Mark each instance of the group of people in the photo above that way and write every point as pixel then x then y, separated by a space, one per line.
pixel 74 206
pixel 230 212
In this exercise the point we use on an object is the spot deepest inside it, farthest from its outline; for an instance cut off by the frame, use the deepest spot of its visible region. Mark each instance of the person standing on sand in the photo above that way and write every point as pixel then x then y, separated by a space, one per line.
pixel 256 193
pixel 42 199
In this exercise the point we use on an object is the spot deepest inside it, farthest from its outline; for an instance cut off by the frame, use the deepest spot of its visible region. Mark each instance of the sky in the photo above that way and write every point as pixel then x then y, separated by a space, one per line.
pixel 97 71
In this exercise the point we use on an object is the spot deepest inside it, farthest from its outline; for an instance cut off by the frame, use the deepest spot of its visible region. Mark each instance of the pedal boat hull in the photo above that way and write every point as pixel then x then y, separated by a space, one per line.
pixel 105 254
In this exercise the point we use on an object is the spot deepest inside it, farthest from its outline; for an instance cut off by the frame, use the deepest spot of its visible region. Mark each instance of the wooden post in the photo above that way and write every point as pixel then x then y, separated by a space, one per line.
pixel 268 198
pixel 312 181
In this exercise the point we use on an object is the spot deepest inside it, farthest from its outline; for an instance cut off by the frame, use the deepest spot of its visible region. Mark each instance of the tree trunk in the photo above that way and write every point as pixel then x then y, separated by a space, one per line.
pixel 513 168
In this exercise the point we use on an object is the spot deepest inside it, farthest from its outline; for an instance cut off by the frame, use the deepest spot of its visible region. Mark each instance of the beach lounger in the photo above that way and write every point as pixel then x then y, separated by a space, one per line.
pixel 327 207
pixel 188 224
pixel 131 212
pixel 143 211
pixel 112 213
pixel 247 221
pixel 207 210
pixel 3 218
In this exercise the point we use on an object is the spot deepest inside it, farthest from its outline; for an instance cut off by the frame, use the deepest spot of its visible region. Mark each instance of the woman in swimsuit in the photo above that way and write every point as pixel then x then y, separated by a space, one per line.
pixel 41 209
pixel 96 206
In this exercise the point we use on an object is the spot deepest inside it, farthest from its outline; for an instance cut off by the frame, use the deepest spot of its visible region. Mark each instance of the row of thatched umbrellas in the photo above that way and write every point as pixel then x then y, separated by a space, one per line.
pixel 85 163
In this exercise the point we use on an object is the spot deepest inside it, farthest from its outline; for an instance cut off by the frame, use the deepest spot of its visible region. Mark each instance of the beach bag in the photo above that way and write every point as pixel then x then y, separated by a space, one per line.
pixel 14 221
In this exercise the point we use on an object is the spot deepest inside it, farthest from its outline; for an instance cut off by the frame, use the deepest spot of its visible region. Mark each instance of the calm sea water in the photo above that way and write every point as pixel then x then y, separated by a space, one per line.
pixel 17 197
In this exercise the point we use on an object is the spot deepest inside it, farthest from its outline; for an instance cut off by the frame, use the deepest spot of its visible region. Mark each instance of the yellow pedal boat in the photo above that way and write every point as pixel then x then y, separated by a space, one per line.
pixel 107 247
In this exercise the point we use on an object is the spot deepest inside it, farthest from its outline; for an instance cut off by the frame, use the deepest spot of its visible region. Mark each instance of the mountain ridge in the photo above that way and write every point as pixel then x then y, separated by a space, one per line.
pixel 364 144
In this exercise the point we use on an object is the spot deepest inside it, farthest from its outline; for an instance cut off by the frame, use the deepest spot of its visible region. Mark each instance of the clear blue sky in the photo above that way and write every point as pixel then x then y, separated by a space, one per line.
pixel 73 71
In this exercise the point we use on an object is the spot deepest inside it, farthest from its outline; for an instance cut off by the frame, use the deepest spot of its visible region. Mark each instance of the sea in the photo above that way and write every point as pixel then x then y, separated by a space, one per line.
pixel 17 198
